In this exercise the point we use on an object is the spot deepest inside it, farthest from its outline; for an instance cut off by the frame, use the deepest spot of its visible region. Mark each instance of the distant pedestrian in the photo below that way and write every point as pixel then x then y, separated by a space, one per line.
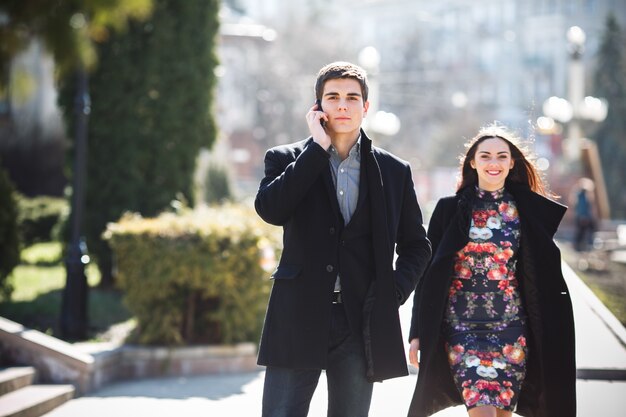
pixel 492 317
pixel 344 206
pixel 585 219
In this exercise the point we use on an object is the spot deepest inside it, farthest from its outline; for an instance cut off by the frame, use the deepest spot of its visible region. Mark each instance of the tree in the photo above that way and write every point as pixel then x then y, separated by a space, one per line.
pixel 151 113
pixel 33 148
pixel 610 83
pixel 9 243
pixel 68 28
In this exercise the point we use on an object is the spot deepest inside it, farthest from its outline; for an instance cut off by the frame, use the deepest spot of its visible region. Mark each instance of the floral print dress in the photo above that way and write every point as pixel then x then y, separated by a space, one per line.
pixel 484 324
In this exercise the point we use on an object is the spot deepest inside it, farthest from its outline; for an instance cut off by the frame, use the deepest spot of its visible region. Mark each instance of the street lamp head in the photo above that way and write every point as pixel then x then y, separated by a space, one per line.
pixel 385 123
pixel 593 108
pixel 369 58
pixel 576 38
pixel 459 99
pixel 545 124
pixel 558 109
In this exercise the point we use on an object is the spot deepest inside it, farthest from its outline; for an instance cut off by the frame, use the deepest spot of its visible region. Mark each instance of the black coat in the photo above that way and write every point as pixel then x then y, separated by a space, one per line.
pixel 297 193
pixel 549 388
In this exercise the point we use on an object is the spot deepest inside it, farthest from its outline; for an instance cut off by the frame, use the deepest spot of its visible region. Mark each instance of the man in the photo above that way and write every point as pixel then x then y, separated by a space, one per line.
pixel 343 205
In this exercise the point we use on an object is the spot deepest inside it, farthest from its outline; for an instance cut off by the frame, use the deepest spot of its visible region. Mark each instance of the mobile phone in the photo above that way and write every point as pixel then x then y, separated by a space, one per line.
pixel 319 108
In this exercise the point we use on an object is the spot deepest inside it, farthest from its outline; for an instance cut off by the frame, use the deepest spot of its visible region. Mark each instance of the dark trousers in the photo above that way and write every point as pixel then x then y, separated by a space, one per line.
pixel 288 392
pixel 583 237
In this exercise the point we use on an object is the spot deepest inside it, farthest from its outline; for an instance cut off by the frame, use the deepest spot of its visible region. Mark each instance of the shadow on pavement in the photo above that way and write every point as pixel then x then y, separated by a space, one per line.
pixel 211 387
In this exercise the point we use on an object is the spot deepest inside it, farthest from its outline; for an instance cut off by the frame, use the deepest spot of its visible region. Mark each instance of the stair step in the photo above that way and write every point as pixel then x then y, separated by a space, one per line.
pixel 14 378
pixel 34 400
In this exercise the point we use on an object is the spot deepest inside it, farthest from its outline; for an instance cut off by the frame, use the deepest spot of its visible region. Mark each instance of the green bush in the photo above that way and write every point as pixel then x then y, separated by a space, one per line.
pixel 194 277
pixel 39 218
pixel 217 187
pixel 9 241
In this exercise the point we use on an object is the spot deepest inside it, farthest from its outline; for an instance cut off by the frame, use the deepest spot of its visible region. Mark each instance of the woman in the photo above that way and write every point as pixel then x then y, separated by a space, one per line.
pixel 492 317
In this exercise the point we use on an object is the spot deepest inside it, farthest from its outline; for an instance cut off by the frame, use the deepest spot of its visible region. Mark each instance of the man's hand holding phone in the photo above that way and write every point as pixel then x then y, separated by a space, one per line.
pixel 316 119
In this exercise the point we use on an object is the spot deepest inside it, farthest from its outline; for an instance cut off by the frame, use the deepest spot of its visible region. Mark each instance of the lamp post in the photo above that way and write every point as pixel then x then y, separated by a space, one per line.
pixel 576 44
pixel 577 107
pixel 572 112
pixel 73 323
pixel 378 121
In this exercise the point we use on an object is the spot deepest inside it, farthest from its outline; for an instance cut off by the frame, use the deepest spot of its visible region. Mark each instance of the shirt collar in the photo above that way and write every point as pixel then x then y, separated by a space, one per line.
pixel 355 150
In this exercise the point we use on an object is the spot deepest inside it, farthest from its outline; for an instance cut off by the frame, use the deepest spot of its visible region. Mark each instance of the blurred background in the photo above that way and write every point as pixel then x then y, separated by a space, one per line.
pixel 148 106
pixel 439 70
pixel 132 137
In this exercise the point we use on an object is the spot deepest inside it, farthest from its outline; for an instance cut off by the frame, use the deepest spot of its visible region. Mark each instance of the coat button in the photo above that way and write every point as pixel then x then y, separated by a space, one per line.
pixel 329 268
pixel 331 231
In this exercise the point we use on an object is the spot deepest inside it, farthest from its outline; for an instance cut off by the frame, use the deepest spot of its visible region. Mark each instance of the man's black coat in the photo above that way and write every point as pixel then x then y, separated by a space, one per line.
pixel 549 389
pixel 298 194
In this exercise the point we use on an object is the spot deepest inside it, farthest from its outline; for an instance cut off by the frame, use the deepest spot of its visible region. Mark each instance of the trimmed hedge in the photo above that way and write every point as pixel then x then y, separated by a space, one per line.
pixel 195 277
pixel 40 218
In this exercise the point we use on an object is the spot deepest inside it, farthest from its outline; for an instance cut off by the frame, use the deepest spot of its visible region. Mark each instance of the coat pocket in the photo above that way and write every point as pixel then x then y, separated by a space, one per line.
pixel 286 272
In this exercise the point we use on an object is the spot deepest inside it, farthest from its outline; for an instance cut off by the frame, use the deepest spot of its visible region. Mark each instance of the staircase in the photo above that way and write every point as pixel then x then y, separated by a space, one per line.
pixel 20 398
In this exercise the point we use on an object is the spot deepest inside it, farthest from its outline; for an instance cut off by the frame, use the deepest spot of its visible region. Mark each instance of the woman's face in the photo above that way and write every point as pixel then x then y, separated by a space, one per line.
pixel 492 163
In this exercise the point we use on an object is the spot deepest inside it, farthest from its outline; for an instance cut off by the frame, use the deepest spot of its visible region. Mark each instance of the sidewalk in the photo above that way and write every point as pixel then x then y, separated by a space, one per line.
pixel 600 345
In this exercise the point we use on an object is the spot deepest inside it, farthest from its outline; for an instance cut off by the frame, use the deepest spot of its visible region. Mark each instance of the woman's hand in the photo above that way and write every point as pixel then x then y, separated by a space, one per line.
pixel 413 352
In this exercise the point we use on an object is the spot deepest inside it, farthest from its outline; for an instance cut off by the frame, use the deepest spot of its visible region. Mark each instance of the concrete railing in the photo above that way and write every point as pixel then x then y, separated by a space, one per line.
pixel 91 366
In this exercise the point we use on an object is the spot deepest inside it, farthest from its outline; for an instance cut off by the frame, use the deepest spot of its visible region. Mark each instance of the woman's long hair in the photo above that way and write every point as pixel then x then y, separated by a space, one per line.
pixel 523 172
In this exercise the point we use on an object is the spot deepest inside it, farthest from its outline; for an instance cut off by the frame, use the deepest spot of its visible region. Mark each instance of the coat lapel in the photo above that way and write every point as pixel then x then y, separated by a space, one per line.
pixel 537 210
pixel 374 184
pixel 330 189
pixel 381 323
pixel 457 234
pixel 363 188
pixel 332 194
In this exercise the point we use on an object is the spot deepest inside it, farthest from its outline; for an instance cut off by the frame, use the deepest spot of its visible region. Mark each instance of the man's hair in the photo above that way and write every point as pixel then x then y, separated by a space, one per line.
pixel 341 69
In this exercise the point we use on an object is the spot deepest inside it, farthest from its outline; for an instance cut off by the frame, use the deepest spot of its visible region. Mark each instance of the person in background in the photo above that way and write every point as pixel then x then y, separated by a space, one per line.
pixel 344 205
pixel 585 219
pixel 492 317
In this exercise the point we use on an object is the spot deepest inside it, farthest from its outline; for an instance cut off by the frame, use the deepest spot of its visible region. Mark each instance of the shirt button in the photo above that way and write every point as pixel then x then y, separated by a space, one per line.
pixel 341 170
pixel 340 192
pixel 329 268
pixel 331 231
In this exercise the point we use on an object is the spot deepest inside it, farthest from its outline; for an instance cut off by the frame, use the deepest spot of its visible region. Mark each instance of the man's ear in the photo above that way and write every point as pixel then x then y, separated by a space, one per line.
pixel 366 106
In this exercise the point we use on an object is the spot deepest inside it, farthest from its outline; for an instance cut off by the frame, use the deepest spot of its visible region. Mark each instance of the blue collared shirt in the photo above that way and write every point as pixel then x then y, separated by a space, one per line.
pixel 346 176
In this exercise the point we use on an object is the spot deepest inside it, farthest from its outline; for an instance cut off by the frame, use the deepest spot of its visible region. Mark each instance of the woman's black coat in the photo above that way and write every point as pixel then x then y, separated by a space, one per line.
pixel 549 389
pixel 297 193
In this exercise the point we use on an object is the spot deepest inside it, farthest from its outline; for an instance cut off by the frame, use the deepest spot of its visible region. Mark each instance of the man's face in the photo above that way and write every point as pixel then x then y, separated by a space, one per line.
pixel 343 102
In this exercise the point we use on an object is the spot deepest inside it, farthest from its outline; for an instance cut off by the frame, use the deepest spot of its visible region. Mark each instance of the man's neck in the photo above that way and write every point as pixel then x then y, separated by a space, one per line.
pixel 344 142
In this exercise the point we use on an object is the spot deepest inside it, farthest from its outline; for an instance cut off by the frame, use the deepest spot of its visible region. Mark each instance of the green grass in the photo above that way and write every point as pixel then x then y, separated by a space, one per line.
pixel 606 280
pixel 613 301
pixel 48 253
pixel 38 286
